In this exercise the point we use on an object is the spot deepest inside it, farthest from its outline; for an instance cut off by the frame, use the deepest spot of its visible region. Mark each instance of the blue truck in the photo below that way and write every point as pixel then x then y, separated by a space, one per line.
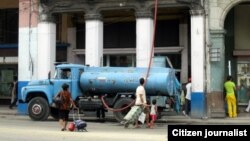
pixel 88 84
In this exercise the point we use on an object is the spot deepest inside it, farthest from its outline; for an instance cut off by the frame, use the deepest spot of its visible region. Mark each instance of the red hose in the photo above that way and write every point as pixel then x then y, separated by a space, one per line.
pixel 116 110
pixel 153 42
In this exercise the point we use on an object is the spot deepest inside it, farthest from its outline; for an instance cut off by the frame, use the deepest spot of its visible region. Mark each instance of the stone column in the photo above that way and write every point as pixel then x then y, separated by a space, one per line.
pixel 218 63
pixel 71 39
pixel 197 63
pixel 217 73
pixel 94 39
pixel 197 50
pixel 27 47
pixel 27 43
pixel 184 53
pixel 144 37
pixel 46 46
pixel 71 36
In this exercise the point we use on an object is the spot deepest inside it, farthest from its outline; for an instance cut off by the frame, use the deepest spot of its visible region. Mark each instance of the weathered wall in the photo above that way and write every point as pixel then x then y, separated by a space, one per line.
pixel 218 11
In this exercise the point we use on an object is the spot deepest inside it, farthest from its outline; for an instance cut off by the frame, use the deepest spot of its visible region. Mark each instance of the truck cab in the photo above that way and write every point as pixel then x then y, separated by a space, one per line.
pixel 38 94
pixel 69 74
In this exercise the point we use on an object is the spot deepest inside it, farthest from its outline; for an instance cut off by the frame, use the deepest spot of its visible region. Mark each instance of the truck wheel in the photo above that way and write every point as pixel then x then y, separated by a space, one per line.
pixel 38 109
pixel 122 102
pixel 54 112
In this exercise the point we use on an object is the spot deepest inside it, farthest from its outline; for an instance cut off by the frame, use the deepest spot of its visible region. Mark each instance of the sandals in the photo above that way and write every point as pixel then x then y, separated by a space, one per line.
pixel 137 126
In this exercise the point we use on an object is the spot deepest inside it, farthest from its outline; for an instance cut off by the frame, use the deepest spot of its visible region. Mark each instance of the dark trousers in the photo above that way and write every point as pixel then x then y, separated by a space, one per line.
pixel 187 106
pixel 13 103
pixel 100 112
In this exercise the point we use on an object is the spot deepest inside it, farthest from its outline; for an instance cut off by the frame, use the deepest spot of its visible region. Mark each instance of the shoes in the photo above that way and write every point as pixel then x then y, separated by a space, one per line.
pixel 137 126
pixel 123 122
pixel 63 129
pixel 101 119
pixel 126 125
pixel 148 125
pixel 184 113
pixel 246 111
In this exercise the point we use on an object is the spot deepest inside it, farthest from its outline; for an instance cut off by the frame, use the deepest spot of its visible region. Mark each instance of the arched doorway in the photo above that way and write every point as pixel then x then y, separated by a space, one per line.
pixel 237 50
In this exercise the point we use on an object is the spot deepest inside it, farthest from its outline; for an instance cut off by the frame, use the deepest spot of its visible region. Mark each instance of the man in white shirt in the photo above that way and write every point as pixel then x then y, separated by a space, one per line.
pixel 14 93
pixel 140 97
pixel 188 98
pixel 140 93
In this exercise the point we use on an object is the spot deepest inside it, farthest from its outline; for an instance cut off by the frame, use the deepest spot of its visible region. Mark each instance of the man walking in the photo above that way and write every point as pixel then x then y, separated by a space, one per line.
pixel 14 93
pixel 140 97
pixel 188 98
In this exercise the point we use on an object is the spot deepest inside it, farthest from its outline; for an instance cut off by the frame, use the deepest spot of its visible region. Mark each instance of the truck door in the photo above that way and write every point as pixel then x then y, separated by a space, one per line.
pixel 75 83
pixel 63 76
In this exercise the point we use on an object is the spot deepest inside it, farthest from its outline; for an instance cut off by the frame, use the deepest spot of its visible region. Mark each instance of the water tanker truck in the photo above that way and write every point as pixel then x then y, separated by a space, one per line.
pixel 88 85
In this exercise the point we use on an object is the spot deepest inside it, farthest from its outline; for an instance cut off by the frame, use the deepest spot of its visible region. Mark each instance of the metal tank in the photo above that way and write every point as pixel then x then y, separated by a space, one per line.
pixel 111 80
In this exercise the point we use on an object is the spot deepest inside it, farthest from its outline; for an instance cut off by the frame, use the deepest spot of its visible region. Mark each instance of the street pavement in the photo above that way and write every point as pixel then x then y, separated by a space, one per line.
pixel 168 117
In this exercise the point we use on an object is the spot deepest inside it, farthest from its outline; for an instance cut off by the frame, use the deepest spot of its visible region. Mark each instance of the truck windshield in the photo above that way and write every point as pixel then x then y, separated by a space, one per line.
pixel 63 74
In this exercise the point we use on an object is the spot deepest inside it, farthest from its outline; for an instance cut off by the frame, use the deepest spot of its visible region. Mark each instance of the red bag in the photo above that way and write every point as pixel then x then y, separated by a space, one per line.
pixel 71 126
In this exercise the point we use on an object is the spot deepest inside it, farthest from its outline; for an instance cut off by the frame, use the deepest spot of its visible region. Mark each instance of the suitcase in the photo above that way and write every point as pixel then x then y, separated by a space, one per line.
pixel 79 125
pixel 132 115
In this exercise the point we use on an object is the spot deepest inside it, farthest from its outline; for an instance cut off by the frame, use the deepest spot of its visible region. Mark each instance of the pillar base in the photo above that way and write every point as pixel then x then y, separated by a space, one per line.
pixel 216 103
pixel 198 103
pixel 22 108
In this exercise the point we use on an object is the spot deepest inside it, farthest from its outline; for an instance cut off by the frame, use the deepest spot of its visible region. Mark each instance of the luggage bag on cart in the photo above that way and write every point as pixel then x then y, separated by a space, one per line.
pixel 80 125
pixel 77 124
pixel 132 115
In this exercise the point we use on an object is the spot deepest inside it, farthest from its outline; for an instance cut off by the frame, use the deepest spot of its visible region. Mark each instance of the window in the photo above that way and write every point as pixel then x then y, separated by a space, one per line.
pixel 8 26
pixel 119 60
pixel 243 82
pixel 63 74
pixel 120 35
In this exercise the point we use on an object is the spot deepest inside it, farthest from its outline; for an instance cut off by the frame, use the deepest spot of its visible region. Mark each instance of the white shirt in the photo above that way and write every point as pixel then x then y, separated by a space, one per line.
pixel 140 90
pixel 153 110
pixel 13 92
pixel 189 89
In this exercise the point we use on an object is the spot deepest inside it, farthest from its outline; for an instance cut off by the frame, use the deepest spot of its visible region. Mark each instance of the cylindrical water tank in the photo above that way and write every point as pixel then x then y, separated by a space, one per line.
pixel 107 80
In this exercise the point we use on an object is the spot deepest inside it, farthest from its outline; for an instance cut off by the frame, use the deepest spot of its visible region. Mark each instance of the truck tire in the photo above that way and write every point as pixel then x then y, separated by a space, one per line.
pixel 122 102
pixel 38 109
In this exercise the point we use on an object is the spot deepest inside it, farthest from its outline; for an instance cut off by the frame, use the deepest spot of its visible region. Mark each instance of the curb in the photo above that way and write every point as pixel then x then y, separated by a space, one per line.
pixel 166 119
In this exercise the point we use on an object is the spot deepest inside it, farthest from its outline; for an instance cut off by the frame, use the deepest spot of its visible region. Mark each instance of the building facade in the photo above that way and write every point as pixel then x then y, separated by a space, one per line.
pixel 8 46
pixel 204 39
pixel 114 33
pixel 227 44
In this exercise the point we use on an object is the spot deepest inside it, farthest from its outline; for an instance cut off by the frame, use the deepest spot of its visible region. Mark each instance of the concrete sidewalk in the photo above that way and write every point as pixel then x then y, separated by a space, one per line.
pixel 190 120
pixel 243 118
pixel 5 110
pixel 171 117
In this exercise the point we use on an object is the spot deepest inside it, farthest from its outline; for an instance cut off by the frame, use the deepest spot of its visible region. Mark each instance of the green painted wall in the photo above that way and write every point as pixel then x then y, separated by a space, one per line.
pixel 217 67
